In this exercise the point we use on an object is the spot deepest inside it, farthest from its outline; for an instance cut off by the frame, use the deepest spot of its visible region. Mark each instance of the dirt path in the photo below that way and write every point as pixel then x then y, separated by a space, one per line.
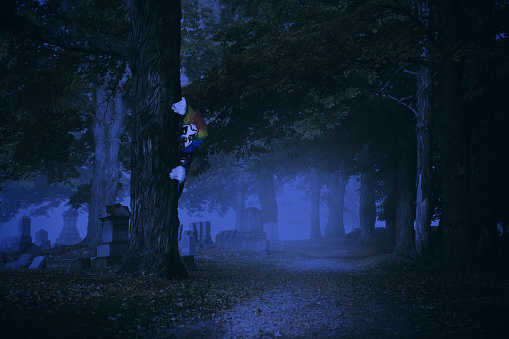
pixel 312 290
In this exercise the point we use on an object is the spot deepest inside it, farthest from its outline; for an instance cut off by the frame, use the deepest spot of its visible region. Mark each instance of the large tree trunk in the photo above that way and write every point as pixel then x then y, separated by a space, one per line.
pixel 335 227
pixel 267 197
pixel 405 195
pixel 484 200
pixel 424 137
pixel 316 187
pixel 107 128
pixel 455 148
pixel 456 203
pixel 390 210
pixel 367 208
pixel 239 203
pixel 155 65
pixel 424 160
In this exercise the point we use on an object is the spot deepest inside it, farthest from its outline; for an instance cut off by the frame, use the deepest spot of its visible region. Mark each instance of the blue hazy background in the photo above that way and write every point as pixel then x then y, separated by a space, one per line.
pixel 294 218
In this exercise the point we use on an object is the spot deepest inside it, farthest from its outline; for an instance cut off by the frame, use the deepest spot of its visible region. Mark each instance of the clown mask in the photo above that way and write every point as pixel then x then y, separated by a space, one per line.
pixel 188 135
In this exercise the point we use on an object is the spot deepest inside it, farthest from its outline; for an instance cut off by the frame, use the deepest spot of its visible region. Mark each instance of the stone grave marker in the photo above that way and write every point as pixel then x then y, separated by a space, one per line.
pixel 41 236
pixel 115 235
pixel 24 238
pixel 38 262
pixel 22 262
pixel 188 250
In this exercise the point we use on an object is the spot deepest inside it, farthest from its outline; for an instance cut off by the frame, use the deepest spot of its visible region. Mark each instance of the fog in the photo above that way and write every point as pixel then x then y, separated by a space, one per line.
pixel 294 218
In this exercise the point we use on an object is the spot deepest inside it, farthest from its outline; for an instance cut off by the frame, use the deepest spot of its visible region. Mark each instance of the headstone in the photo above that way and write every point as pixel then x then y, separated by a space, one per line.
pixel 188 250
pixel 192 227
pixel 251 224
pixel 24 238
pixel 22 262
pixel 250 234
pixel 207 238
pixel 38 262
pixel 7 243
pixel 41 237
pixel 69 234
pixel 115 235
pixel 188 244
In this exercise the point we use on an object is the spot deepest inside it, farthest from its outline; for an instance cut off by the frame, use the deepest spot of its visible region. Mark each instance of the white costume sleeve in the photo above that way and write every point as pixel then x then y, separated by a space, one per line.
pixel 178 173
pixel 180 107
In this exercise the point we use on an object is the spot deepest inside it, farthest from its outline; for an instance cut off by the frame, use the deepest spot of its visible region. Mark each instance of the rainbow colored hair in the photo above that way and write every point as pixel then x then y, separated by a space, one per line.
pixel 194 117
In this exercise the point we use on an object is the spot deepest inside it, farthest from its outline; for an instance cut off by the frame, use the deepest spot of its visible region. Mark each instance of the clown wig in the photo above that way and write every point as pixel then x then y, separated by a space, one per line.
pixel 194 117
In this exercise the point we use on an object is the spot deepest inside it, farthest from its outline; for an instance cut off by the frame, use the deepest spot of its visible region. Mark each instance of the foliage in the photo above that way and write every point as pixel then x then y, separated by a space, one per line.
pixel 313 288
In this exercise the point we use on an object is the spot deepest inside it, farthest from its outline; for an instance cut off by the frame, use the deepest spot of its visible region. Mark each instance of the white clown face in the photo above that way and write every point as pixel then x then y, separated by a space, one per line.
pixel 188 135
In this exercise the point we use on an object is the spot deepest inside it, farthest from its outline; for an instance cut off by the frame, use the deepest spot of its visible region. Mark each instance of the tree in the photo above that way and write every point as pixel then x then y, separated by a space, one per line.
pixel 153 56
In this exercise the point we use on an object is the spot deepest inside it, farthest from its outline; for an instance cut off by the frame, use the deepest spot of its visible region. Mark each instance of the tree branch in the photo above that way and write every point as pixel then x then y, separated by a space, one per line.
pixel 23 27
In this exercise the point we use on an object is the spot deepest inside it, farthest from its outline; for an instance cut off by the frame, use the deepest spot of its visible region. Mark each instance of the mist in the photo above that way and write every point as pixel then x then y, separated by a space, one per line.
pixel 293 208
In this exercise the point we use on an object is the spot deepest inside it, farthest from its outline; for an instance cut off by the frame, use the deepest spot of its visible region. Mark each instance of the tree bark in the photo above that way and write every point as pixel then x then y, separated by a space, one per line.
pixel 267 196
pixel 155 65
pixel 424 160
pixel 405 195
pixel 367 208
pixel 456 202
pixel 335 227
pixel 240 203
pixel 107 128
pixel 316 187
pixel 455 146
pixel 390 209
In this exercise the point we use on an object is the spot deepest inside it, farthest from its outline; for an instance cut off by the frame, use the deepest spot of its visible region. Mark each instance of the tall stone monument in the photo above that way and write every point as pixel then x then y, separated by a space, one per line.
pixel 69 234
pixel 24 238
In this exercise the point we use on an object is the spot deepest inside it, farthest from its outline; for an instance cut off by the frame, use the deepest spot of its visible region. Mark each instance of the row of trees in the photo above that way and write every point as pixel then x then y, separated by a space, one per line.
pixel 406 94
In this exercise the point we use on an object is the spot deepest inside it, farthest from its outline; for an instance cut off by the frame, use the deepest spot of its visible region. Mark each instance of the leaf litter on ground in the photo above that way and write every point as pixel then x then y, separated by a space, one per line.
pixel 322 289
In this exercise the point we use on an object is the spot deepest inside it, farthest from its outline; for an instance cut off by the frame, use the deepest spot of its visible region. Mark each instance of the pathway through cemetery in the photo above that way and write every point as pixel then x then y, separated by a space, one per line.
pixel 322 289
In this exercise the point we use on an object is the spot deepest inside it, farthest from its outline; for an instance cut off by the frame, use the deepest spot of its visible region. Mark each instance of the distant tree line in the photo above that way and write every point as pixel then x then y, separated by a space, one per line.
pixel 408 96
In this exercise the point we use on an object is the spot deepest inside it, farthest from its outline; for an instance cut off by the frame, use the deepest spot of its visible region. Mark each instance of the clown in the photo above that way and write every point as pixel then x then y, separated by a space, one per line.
pixel 193 133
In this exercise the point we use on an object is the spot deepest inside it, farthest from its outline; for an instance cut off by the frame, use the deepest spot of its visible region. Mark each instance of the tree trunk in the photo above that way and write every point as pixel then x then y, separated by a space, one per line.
pixel 316 187
pixel 240 204
pixel 390 210
pixel 367 208
pixel 484 197
pixel 155 65
pixel 455 146
pixel 424 183
pixel 267 196
pixel 335 227
pixel 107 129
pixel 405 195
pixel 456 202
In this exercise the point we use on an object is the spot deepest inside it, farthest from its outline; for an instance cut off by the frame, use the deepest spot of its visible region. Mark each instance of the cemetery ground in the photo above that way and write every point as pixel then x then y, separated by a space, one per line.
pixel 323 289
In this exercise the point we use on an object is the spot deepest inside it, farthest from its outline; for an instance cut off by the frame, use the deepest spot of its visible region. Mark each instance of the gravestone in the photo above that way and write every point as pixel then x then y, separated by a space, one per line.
pixel 69 234
pixel 22 262
pixel 38 262
pixel 115 235
pixel 249 235
pixel 188 244
pixel 272 231
pixel 202 232
pixel 7 243
pixel 41 237
pixel 24 238
pixel 188 250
